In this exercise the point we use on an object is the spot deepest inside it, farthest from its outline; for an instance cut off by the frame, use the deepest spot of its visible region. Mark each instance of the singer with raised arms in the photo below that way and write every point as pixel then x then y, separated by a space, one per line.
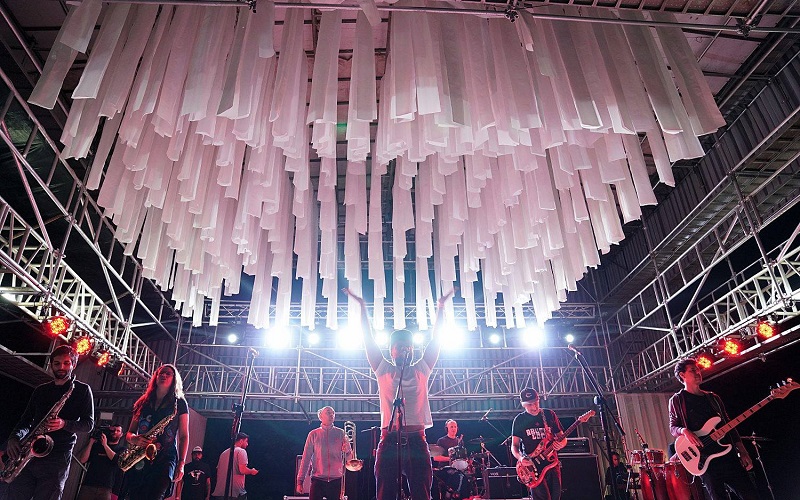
pixel 412 414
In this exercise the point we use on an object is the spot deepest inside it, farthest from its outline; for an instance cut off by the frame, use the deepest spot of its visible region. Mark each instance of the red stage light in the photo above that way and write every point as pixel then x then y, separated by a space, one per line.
pixel 57 325
pixel 732 347
pixel 704 361
pixel 766 329
pixel 83 345
pixel 103 359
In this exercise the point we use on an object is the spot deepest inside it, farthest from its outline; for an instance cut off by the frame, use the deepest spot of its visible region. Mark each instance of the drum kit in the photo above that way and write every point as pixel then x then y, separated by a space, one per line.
pixel 660 480
pixel 462 477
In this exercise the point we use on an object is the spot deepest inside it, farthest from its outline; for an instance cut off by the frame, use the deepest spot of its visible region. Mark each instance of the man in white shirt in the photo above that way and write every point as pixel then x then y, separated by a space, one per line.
pixel 407 423
pixel 325 451
pixel 240 470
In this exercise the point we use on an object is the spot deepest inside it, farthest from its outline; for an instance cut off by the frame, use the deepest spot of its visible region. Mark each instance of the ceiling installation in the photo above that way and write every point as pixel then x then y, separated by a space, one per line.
pixel 514 149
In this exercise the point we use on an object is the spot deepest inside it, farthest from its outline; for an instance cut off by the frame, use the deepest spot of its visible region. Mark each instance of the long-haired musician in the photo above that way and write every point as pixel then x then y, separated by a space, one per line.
pixel 163 397
pixel 43 478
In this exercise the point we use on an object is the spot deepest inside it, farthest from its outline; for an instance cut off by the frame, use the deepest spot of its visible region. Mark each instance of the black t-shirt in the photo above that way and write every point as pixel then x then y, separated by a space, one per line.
pixel 618 475
pixel 698 410
pixel 77 413
pixel 102 471
pixel 531 428
pixel 167 440
pixel 195 480
pixel 446 443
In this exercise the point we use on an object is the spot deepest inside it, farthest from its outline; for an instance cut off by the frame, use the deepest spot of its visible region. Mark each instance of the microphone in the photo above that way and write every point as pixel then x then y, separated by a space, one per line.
pixel 572 348
pixel 485 415
pixel 406 354
pixel 253 352
pixel 641 439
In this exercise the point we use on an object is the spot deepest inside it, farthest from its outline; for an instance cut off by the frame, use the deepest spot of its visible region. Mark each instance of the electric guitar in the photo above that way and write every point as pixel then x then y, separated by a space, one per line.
pixel 696 459
pixel 531 471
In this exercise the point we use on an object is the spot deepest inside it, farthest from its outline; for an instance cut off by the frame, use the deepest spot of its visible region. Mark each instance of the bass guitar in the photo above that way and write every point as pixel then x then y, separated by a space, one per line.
pixel 531 469
pixel 696 459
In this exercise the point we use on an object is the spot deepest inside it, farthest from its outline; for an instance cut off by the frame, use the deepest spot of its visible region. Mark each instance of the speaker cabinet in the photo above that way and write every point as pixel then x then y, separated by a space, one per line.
pixel 501 482
pixel 580 478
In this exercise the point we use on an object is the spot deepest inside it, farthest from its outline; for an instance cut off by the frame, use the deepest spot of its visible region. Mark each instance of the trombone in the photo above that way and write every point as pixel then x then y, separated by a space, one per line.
pixel 353 464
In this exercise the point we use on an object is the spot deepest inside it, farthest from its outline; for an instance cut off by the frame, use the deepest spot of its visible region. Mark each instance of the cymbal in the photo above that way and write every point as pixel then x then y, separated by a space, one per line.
pixel 481 439
pixel 436 450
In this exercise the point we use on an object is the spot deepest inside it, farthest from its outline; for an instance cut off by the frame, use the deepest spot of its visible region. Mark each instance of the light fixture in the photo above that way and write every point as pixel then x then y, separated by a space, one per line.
pixel 451 336
pixel 569 338
pixel 349 337
pixel 704 361
pixel 494 338
pixel 418 338
pixel 533 336
pixel 103 358
pixel 766 329
pixel 278 337
pixel 731 346
pixel 382 338
pixel 83 344
pixel 313 338
pixel 232 338
pixel 57 326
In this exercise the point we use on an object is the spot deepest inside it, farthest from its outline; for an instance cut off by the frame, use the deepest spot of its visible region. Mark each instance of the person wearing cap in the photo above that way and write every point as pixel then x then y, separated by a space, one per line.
pixel 527 431
pixel 325 451
pixel 413 416
pixel 196 484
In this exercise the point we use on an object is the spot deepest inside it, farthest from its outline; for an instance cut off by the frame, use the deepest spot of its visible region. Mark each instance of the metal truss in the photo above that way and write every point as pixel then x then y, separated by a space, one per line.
pixel 35 253
pixel 236 312
pixel 770 289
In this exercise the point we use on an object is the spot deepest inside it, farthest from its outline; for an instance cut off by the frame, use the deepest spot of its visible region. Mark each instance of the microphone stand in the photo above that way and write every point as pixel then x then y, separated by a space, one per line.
pixel 238 411
pixel 602 408
pixel 399 406
pixel 763 469
pixel 646 468
pixel 498 431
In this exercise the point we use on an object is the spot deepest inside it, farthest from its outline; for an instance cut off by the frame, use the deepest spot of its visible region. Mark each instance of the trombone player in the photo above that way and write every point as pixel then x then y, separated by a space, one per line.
pixel 326 451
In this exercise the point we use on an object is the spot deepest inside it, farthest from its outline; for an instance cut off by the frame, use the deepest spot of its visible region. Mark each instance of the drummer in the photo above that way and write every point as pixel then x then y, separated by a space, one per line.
pixel 451 440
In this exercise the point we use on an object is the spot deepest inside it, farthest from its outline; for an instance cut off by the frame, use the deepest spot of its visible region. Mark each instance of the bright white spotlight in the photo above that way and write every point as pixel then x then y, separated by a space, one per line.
pixel 232 338
pixel 382 338
pixel 494 339
pixel 418 338
pixel 349 337
pixel 313 338
pixel 278 337
pixel 451 336
pixel 570 338
pixel 533 336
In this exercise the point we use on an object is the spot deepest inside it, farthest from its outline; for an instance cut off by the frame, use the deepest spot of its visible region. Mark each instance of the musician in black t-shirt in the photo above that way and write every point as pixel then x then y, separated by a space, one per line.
pixel 196 484
pixel 43 478
pixel 99 454
pixel 528 430
pixel 163 398
pixel 450 440
pixel 689 409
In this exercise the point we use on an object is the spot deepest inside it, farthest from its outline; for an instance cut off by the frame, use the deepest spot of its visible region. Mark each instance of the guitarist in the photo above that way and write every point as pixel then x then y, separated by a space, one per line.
pixel 529 429
pixel 690 408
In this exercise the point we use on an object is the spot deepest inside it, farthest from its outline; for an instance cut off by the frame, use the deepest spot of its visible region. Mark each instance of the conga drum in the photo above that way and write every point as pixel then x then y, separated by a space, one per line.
pixel 654 483
pixel 680 484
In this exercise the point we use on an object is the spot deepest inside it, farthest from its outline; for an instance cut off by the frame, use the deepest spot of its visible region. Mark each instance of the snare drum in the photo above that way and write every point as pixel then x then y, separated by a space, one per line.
pixel 459 459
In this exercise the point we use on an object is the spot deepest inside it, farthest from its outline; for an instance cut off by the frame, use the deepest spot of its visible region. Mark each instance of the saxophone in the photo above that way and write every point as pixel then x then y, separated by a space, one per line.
pixel 36 443
pixel 134 454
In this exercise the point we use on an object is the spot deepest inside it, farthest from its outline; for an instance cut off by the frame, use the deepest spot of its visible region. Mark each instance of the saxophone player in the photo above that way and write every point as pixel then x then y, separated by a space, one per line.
pixel 56 412
pixel 163 398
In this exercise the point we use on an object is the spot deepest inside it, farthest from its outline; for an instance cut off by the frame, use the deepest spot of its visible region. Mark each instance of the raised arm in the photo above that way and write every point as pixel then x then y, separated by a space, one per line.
pixel 431 353
pixel 374 354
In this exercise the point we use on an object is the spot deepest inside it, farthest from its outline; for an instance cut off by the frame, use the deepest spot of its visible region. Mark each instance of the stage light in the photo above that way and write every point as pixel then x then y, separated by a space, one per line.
pixel 569 338
pixel 83 345
pixel 533 336
pixel 766 329
pixel 494 338
pixel 103 358
pixel 704 361
pixel 382 338
pixel 232 338
pixel 418 338
pixel 278 337
pixel 56 326
pixel 731 347
pixel 349 337
pixel 451 336
pixel 313 338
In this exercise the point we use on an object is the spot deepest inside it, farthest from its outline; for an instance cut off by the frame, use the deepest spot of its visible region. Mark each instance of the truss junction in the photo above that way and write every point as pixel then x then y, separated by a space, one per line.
pixel 703 266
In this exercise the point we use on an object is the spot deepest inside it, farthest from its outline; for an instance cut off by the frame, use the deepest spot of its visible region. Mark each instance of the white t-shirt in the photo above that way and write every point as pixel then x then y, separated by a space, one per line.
pixel 415 392
pixel 237 480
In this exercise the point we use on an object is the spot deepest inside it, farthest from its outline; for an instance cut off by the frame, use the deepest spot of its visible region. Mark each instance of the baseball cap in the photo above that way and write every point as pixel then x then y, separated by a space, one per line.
pixel 196 449
pixel 528 394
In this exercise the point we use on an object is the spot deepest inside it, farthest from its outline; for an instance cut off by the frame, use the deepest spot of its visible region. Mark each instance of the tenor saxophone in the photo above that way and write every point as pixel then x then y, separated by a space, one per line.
pixel 36 443
pixel 134 454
